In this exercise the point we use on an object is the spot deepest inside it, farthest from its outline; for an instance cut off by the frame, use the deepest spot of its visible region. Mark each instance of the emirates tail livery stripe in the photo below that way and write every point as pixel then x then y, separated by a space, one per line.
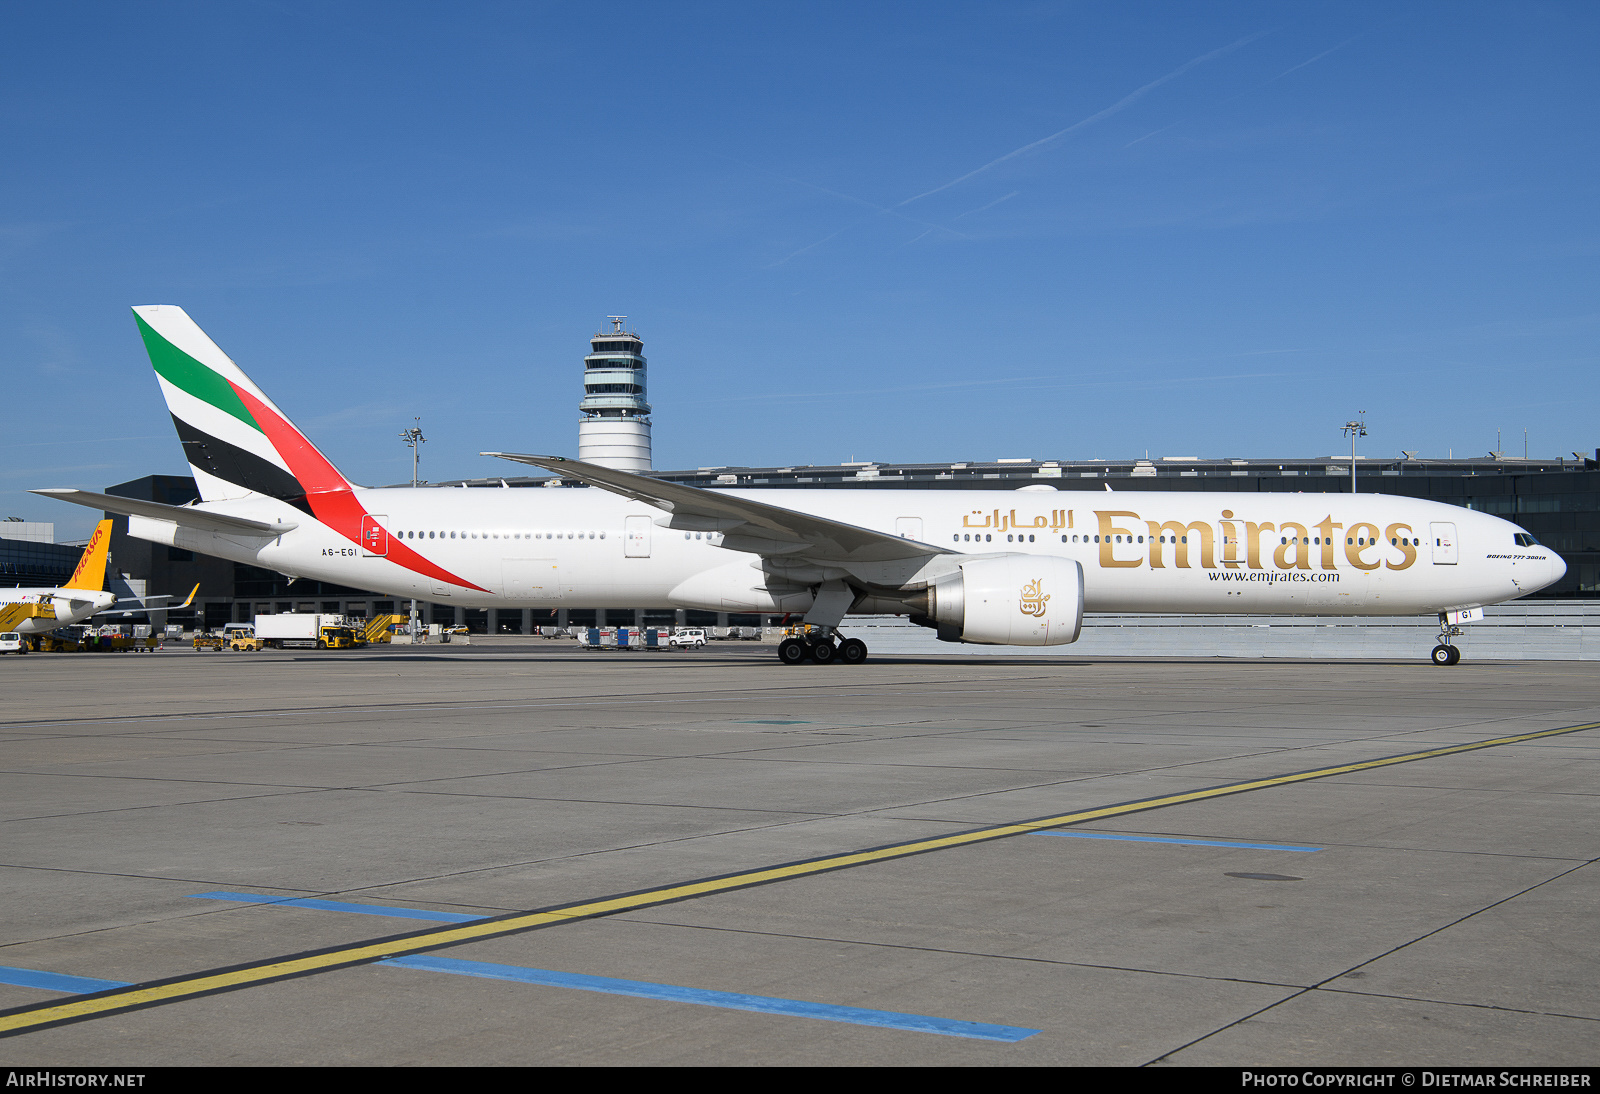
pixel 317 486
pixel 332 500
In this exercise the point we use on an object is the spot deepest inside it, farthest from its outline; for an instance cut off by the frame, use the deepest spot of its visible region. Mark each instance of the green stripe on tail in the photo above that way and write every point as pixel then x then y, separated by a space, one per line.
pixel 182 371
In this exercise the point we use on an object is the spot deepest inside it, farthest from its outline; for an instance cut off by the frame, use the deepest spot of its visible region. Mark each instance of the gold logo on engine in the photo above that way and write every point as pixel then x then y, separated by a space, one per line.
pixel 1034 598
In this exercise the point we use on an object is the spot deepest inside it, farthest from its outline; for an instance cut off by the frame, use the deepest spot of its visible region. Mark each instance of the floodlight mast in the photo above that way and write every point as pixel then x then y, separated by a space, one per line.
pixel 415 440
pixel 1353 429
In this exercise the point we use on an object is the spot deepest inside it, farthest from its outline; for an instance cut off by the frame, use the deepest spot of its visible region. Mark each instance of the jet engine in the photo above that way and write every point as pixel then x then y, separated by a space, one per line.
pixel 1005 600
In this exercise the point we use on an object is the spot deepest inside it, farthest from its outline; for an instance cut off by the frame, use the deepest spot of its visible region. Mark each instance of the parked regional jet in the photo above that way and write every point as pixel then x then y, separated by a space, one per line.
pixel 1014 568
pixel 82 596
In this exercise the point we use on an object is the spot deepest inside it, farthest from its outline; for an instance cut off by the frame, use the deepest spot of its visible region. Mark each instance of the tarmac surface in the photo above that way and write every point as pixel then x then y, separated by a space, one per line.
pixel 227 852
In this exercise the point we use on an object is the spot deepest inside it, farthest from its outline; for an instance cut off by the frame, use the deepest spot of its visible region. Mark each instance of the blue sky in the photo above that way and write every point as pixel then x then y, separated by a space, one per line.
pixel 889 231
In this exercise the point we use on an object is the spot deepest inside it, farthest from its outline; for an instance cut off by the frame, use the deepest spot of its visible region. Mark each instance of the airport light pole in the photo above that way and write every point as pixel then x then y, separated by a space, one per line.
pixel 1354 429
pixel 414 438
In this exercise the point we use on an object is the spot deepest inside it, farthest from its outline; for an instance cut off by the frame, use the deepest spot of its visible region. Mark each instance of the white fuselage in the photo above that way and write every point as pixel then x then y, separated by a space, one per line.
pixel 71 606
pixel 1361 554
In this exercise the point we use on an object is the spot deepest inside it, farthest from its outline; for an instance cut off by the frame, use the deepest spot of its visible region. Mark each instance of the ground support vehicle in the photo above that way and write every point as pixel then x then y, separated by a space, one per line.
pixel 12 642
pixel 241 638
pixel 205 640
pixel 12 615
pixel 382 628
pixel 307 630
pixel 690 638
pixel 97 643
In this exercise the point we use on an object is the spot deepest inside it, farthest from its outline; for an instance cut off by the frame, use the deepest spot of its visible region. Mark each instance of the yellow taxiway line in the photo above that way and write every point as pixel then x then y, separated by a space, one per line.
pixel 135 996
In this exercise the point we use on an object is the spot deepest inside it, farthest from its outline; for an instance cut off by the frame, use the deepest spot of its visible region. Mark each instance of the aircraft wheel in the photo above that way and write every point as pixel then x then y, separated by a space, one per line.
pixel 791 651
pixel 1446 655
pixel 852 651
pixel 1455 655
pixel 824 652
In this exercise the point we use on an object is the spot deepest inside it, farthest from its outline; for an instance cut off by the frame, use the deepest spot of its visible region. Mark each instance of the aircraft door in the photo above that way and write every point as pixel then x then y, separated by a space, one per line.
pixel 530 579
pixel 908 528
pixel 1444 544
pixel 636 537
pixel 374 537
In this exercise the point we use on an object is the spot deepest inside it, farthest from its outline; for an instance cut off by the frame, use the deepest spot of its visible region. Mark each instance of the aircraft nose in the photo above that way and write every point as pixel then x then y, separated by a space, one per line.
pixel 1558 568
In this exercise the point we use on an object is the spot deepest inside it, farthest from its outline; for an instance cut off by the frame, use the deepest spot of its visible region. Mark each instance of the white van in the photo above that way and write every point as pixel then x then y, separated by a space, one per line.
pixel 12 642
pixel 687 639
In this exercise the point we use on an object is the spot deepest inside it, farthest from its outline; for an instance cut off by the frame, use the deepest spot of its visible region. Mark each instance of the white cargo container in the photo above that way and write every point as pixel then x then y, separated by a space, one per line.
pixel 303 629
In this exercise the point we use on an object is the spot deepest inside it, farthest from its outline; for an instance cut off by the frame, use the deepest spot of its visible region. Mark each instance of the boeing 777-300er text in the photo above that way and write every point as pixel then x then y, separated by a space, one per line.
pixel 1015 568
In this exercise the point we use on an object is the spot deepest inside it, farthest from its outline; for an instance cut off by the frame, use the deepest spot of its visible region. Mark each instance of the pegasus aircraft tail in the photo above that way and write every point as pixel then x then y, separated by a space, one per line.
pixel 91 572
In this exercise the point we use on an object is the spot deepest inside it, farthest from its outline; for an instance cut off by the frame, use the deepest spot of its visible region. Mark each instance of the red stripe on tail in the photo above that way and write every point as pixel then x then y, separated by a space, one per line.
pixel 329 493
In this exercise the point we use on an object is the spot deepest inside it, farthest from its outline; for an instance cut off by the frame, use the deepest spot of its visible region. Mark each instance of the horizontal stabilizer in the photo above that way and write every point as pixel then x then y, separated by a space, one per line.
pixel 181 515
pixel 157 601
pixel 750 525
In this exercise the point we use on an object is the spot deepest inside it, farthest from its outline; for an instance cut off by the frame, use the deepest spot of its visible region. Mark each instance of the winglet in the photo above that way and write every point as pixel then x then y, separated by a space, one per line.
pixel 192 593
pixel 91 572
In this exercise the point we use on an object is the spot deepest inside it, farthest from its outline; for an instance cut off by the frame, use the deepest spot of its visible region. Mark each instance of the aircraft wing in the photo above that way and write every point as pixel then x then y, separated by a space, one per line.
pixel 177 514
pixel 746 525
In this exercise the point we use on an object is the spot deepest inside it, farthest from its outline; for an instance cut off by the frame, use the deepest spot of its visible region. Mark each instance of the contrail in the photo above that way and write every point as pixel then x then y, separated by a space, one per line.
pixel 851 198
pixel 818 243
pixel 1252 91
pixel 881 209
pixel 1315 59
pixel 1120 104
pixel 991 205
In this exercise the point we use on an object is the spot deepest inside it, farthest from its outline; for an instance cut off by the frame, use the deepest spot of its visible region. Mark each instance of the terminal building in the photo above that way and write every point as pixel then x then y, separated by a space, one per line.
pixel 1558 501
pixel 31 558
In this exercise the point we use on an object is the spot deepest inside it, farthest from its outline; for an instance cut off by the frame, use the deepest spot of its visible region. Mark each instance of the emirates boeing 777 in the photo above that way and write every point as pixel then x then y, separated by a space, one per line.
pixel 1000 568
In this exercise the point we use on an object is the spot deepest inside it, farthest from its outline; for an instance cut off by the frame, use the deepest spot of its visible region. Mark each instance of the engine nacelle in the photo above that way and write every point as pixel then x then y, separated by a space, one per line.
pixel 1011 600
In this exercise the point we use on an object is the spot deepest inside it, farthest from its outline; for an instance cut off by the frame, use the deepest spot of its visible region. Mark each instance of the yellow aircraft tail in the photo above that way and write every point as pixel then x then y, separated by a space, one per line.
pixel 91 571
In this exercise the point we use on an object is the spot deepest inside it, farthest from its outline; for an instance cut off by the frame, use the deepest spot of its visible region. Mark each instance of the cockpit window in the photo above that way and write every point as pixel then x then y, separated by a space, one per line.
pixel 1525 540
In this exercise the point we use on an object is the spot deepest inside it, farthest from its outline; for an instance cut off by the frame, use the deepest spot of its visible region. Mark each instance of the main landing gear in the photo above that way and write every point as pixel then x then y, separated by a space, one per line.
pixel 819 644
pixel 1445 653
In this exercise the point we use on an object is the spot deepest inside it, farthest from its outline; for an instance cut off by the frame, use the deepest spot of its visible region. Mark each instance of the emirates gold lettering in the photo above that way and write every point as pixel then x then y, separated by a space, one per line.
pixel 1186 546
pixel 1230 542
pixel 1406 545
pixel 1361 537
pixel 1253 542
pixel 1108 557
pixel 1298 540
pixel 1180 534
pixel 1326 529
pixel 1033 598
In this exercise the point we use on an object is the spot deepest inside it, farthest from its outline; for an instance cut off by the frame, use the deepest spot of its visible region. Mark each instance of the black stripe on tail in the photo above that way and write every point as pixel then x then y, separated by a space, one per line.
pixel 231 463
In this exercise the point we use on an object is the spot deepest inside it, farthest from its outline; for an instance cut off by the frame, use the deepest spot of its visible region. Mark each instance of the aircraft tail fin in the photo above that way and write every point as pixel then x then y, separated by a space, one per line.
pixel 91 572
pixel 237 441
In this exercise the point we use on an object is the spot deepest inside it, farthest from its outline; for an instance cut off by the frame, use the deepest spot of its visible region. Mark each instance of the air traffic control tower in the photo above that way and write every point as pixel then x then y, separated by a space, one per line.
pixel 615 430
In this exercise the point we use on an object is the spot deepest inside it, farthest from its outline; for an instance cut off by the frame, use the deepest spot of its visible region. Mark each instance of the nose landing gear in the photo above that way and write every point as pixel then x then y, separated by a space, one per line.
pixel 1445 653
